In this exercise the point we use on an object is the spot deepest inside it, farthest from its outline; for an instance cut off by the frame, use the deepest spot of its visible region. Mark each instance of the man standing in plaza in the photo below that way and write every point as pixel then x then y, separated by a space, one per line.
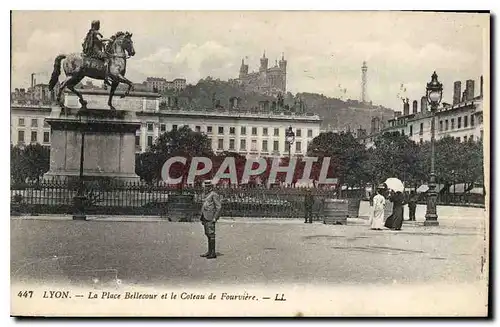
pixel 308 204
pixel 210 213
pixel 412 205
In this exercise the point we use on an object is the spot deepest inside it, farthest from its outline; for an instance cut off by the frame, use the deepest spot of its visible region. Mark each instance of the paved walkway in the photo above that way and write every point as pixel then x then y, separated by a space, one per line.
pixel 447 260
pixel 246 220
pixel 268 252
pixel 444 212
pixel 451 217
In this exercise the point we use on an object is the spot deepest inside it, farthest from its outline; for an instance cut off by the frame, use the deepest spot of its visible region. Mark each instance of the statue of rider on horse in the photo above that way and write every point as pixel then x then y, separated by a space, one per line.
pixel 93 47
pixel 102 59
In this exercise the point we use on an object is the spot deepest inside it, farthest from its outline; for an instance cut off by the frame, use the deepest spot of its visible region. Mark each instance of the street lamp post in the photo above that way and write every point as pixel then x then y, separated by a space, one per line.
pixel 79 199
pixel 289 138
pixel 434 96
pixel 454 183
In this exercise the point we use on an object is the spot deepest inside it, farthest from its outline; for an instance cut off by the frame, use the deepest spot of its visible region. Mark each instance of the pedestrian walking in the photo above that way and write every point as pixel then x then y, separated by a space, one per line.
pixel 377 217
pixel 308 206
pixel 210 213
pixel 395 220
pixel 412 205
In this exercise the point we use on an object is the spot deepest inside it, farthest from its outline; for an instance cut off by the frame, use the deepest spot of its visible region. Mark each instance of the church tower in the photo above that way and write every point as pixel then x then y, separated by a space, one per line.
pixel 283 72
pixel 263 63
pixel 243 69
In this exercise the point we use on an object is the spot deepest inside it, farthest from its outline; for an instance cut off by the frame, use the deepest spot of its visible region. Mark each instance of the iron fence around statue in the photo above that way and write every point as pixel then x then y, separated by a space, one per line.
pixel 114 198
pixel 122 198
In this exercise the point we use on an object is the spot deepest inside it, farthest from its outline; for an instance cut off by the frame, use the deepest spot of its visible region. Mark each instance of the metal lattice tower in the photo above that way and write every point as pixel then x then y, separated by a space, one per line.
pixel 364 69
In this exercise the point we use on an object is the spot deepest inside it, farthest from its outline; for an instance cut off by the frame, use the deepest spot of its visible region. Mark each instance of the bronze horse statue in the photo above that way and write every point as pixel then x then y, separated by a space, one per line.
pixel 77 66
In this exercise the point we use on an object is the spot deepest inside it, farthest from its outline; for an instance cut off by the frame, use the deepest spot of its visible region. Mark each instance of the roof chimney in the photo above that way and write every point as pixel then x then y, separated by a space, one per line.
pixel 233 102
pixel 423 104
pixel 415 106
pixel 33 80
pixel 406 107
pixel 470 89
pixel 464 95
pixel 457 90
pixel 481 87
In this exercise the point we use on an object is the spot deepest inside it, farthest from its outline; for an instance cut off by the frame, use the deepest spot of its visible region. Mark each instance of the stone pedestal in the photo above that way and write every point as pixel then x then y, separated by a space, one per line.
pixel 109 146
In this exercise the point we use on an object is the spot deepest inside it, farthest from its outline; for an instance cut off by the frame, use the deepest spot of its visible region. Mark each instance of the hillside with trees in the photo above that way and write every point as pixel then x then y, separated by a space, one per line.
pixel 336 113
pixel 341 114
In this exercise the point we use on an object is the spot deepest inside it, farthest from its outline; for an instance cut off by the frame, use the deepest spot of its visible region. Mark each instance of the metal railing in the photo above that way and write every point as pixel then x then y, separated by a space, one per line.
pixel 56 197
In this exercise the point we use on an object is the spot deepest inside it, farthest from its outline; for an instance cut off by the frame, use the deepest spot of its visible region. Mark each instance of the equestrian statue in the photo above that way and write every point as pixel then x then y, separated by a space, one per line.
pixel 101 59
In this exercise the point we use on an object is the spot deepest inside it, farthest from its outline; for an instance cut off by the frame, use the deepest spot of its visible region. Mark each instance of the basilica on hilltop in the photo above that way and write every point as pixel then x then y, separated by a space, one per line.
pixel 268 80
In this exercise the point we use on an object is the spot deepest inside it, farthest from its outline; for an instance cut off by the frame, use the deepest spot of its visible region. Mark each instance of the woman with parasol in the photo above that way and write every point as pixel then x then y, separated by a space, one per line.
pixel 396 187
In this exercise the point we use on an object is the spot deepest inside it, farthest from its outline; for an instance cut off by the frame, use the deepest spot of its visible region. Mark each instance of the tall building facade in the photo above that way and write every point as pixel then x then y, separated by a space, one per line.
pixel 27 124
pixel 463 119
pixel 247 133
pixel 159 84
pixel 267 80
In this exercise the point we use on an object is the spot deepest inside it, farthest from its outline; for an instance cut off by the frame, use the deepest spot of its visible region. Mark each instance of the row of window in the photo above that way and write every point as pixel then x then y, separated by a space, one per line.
pixel 243 144
pixel 34 137
pixel 446 126
pixel 34 122
pixel 232 130
pixel 465 138
pixel 459 123
pixel 253 146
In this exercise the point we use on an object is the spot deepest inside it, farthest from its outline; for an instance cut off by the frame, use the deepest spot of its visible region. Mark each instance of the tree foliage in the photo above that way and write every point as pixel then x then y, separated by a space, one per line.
pixel 182 142
pixel 395 155
pixel 346 156
pixel 29 163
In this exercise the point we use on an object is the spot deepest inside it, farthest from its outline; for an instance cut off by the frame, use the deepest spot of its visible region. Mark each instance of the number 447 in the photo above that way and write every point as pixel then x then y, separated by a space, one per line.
pixel 25 294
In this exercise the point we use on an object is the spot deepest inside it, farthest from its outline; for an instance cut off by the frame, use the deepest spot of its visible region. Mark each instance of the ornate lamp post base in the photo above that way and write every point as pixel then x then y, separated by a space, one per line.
pixel 431 217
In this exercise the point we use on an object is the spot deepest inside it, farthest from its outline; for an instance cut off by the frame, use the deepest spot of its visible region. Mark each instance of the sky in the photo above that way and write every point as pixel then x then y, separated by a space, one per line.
pixel 325 50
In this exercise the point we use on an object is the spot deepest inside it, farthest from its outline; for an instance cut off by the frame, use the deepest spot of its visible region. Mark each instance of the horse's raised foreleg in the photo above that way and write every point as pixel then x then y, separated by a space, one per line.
pixel 114 85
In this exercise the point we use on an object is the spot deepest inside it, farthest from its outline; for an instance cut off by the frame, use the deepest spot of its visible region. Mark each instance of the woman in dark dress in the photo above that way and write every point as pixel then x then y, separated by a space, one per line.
pixel 395 220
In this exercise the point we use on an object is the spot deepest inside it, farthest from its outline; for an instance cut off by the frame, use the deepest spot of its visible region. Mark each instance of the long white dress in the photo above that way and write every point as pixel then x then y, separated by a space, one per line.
pixel 377 217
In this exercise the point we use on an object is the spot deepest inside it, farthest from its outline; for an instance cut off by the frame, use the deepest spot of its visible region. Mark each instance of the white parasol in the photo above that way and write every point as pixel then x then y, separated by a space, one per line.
pixel 395 184
pixel 422 188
